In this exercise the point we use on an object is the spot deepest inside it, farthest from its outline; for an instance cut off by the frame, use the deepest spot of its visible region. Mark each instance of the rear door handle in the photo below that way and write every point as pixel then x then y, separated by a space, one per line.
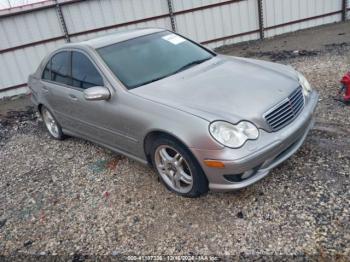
pixel 45 89
pixel 73 97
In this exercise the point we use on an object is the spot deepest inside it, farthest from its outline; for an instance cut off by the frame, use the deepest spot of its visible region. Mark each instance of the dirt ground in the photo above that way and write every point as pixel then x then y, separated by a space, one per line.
pixel 76 199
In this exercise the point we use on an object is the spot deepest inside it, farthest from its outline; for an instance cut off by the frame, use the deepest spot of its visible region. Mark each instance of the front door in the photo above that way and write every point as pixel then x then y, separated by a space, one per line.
pixel 68 74
pixel 98 120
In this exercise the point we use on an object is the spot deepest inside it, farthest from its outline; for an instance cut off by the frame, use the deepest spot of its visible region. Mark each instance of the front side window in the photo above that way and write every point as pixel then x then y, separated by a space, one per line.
pixel 73 69
pixel 149 58
pixel 60 68
pixel 84 73
pixel 47 71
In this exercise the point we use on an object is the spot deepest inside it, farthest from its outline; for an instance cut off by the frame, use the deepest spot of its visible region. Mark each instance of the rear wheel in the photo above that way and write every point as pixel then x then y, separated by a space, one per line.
pixel 177 168
pixel 51 124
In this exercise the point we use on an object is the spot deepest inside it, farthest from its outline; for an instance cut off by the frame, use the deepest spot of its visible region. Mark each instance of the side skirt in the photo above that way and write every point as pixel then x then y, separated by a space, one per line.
pixel 116 150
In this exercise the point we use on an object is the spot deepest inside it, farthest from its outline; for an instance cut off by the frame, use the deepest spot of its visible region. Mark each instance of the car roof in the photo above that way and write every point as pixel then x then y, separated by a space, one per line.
pixel 117 37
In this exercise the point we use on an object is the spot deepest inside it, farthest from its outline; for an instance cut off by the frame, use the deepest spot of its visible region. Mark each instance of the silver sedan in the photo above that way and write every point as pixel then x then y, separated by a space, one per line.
pixel 202 120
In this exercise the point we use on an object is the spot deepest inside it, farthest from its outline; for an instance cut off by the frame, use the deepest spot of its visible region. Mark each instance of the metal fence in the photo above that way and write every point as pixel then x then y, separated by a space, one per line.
pixel 29 32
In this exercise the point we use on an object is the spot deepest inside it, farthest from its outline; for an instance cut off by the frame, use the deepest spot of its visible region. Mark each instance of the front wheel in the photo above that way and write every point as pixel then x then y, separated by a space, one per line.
pixel 51 124
pixel 177 168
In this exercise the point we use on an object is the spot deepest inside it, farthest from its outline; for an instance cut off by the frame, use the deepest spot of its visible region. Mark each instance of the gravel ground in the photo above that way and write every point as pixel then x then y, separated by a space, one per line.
pixel 77 199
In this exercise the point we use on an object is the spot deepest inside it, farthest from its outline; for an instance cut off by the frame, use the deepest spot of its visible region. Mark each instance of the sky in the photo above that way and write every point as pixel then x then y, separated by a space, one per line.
pixel 12 3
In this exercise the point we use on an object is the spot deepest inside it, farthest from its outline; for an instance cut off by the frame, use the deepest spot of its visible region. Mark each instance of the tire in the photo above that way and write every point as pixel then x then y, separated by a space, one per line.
pixel 52 126
pixel 175 173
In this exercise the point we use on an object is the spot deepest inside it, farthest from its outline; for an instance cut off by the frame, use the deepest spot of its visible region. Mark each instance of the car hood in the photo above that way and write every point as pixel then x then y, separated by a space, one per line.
pixel 225 88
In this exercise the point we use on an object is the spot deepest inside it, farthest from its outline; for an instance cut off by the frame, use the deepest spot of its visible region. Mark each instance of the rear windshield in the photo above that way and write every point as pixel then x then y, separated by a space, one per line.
pixel 149 58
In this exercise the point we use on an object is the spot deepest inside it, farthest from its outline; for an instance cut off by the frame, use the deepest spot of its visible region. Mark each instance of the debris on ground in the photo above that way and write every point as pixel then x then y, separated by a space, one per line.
pixel 283 55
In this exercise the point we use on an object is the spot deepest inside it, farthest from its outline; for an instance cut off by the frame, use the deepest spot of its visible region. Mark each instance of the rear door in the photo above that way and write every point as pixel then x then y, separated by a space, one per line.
pixel 56 80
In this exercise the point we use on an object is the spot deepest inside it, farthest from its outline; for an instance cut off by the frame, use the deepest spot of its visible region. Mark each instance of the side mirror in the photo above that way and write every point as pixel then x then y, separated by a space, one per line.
pixel 97 93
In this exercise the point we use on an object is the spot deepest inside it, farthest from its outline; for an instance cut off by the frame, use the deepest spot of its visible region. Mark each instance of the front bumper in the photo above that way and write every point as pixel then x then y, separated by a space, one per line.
pixel 256 158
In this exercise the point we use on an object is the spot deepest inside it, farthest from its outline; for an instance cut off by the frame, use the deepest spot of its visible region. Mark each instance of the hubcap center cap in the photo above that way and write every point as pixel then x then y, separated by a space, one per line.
pixel 172 167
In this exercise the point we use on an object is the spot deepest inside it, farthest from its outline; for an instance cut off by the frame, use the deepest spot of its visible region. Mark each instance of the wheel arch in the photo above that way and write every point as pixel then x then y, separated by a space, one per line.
pixel 155 134
pixel 202 182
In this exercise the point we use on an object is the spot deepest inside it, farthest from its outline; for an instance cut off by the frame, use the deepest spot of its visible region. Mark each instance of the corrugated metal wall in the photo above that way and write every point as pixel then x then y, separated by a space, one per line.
pixel 217 22
pixel 277 12
pixel 28 34
pixel 17 64
pixel 90 15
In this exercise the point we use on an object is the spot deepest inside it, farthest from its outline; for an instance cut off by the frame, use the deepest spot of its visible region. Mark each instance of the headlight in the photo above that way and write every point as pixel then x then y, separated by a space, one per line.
pixel 231 135
pixel 305 84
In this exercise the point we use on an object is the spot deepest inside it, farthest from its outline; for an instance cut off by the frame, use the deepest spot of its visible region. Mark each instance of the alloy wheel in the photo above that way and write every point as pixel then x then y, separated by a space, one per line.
pixel 173 169
pixel 50 123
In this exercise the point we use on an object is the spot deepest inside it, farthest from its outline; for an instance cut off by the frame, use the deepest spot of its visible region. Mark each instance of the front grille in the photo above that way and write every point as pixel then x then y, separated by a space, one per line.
pixel 286 111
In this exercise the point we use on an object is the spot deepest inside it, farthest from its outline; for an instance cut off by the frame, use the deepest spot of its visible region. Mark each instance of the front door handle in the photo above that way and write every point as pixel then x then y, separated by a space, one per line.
pixel 73 97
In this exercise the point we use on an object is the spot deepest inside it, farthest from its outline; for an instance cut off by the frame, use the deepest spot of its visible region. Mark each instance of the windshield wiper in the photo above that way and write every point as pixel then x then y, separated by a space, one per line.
pixel 193 63
pixel 196 62
pixel 152 80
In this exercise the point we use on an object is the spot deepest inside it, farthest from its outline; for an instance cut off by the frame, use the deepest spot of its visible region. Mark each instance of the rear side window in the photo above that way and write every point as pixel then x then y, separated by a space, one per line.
pixel 60 68
pixel 84 73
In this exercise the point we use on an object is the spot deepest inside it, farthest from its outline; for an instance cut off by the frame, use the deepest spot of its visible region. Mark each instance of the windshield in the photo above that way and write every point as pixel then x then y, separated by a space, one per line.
pixel 149 58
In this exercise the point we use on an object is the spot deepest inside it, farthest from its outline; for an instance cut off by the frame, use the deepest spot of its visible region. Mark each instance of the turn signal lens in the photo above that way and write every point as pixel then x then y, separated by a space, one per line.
pixel 214 163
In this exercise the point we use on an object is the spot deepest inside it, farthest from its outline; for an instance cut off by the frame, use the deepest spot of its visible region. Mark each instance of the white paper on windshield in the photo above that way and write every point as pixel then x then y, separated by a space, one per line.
pixel 174 39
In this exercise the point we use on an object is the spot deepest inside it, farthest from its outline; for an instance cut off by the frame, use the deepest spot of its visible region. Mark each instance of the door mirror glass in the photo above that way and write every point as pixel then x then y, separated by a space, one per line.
pixel 97 93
